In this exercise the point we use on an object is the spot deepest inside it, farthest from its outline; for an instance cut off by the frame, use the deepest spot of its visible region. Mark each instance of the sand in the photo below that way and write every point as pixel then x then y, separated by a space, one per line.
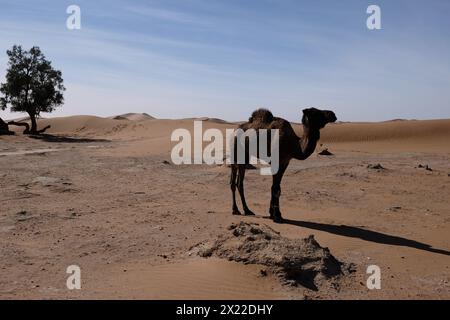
pixel 133 117
pixel 102 194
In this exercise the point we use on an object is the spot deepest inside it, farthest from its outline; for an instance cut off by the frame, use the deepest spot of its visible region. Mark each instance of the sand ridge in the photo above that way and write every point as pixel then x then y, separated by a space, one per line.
pixel 432 132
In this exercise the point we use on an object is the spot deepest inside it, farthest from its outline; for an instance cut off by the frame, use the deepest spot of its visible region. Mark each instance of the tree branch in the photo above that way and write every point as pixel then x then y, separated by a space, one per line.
pixel 21 124
pixel 27 127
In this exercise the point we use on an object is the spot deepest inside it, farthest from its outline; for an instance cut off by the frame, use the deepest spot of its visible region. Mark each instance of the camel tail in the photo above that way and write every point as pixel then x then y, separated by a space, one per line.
pixel 261 115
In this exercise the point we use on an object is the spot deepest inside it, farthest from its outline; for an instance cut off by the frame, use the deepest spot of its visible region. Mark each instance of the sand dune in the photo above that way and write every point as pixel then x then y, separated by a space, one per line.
pixel 213 120
pixel 397 130
pixel 78 124
pixel 133 117
pixel 21 119
pixel 404 135
pixel 392 136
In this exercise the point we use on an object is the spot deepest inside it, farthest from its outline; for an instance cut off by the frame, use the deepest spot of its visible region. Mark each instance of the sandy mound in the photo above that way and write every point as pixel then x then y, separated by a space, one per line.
pixel 322 150
pixel 208 119
pixel 299 261
pixel 133 117
pixel 376 166
pixel 427 130
pixel 388 136
pixel 77 124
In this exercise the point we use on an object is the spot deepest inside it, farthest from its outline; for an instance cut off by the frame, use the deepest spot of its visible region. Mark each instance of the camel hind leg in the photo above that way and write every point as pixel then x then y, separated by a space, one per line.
pixel 241 177
pixel 233 188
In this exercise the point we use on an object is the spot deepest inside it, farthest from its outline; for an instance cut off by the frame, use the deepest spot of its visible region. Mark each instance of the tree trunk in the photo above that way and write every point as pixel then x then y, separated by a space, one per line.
pixel 33 129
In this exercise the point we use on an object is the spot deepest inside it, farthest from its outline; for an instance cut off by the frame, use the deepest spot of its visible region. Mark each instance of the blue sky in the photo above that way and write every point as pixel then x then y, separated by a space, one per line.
pixel 224 58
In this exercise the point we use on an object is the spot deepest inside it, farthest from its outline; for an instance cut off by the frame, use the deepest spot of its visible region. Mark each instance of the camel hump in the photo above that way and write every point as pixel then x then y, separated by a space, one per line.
pixel 262 115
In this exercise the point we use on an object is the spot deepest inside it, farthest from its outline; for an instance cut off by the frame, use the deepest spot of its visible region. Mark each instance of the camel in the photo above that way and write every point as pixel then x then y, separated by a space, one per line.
pixel 290 147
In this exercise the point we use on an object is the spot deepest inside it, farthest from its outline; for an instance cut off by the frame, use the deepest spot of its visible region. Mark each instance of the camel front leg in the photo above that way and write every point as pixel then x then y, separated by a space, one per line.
pixel 241 177
pixel 275 213
pixel 233 189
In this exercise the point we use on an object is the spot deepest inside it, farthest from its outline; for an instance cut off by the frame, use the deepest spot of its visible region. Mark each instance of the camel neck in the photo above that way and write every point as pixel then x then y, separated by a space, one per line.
pixel 307 143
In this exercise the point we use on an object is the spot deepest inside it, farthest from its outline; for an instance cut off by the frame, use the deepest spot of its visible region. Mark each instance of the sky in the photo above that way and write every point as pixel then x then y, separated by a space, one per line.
pixel 225 58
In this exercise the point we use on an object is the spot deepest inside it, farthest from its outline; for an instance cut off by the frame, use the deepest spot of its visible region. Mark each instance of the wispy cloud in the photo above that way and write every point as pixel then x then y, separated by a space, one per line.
pixel 224 58
pixel 164 14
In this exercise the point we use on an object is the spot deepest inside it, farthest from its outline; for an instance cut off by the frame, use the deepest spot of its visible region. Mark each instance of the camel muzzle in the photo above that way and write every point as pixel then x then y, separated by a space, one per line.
pixel 330 116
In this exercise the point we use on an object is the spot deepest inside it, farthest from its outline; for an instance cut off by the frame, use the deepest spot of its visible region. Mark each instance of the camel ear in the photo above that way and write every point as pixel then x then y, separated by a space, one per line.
pixel 306 112
pixel 305 119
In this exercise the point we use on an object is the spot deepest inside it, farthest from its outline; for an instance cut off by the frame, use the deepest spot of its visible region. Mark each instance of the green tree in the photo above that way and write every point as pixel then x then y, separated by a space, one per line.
pixel 32 85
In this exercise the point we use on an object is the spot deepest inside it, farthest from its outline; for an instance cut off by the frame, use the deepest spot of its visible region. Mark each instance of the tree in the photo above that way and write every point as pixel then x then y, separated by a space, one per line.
pixel 32 85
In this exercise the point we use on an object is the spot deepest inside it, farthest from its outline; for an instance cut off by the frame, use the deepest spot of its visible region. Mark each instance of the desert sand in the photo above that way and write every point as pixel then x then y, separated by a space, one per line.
pixel 102 193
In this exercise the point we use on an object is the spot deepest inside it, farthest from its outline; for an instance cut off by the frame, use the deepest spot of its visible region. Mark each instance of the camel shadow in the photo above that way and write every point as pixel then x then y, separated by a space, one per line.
pixel 367 235
pixel 64 139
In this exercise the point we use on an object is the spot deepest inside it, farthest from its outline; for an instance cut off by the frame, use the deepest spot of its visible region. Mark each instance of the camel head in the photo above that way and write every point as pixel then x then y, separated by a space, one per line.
pixel 317 119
